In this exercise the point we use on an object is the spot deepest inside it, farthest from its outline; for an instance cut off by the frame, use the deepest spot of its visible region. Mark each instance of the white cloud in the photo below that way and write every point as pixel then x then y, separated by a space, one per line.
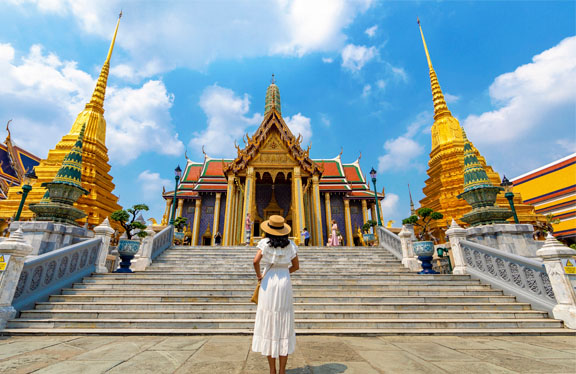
pixel 400 154
pixel 366 90
pixel 371 31
pixel 44 94
pixel 152 184
pixel 227 120
pixel 325 120
pixel 535 110
pixel 381 84
pixel 389 208
pixel 158 32
pixel 528 95
pixel 398 73
pixel 450 99
pixel 139 121
pixel 300 124
pixel 354 57
pixel 327 60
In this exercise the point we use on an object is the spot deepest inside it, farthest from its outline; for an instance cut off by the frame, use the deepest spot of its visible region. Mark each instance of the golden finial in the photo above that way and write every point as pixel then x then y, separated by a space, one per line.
pixel 113 39
pixel 8 130
pixel 412 210
pixel 440 106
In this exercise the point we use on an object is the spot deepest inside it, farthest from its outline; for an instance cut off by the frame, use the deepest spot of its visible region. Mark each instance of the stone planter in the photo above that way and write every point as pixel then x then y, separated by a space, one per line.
pixel 425 250
pixel 127 249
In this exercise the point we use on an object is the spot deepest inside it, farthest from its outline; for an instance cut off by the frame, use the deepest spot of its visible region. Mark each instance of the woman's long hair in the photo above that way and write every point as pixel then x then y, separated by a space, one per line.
pixel 278 241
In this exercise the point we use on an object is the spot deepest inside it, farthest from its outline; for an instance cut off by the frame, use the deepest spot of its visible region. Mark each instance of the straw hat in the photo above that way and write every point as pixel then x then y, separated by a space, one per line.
pixel 275 226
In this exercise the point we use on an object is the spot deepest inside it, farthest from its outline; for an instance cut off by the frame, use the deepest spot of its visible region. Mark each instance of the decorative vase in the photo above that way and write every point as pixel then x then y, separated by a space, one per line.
pixel 425 250
pixel 369 238
pixel 179 237
pixel 127 249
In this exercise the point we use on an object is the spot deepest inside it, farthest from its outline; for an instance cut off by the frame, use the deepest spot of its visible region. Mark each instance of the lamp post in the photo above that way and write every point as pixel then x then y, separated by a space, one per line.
pixel 373 175
pixel 510 196
pixel 177 174
pixel 29 180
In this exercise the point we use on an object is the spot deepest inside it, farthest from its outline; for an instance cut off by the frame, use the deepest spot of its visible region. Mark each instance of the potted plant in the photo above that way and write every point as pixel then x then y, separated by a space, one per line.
pixel 424 247
pixel 179 225
pixel 368 237
pixel 128 247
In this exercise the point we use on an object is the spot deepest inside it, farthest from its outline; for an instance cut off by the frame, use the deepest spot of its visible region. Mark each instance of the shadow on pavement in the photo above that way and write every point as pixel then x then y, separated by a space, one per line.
pixel 322 369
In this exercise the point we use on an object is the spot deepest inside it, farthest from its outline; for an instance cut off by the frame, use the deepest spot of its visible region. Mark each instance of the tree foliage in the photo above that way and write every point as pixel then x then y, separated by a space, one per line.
pixel 422 219
pixel 369 224
pixel 127 219
pixel 180 223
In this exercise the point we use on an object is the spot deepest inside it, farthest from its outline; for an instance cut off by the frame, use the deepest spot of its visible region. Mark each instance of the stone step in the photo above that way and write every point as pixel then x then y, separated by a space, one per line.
pixel 428 298
pixel 296 276
pixel 303 271
pixel 295 282
pixel 396 306
pixel 323 323
pixel 299 314
pixel 339 332
pixel 297 288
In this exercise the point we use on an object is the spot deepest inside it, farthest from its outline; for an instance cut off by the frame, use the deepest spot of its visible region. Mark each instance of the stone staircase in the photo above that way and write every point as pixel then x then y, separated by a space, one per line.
pixel 343 290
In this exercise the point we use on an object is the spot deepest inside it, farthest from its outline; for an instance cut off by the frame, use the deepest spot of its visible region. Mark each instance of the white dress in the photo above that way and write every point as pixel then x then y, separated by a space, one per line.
pixel 274 327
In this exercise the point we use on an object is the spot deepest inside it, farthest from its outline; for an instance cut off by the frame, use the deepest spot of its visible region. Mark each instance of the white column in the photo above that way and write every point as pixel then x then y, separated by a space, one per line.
pixel 555 255
pixel 457 233
pixel 406 239
pixel 103 231
pixel 14 250
pixel 143 258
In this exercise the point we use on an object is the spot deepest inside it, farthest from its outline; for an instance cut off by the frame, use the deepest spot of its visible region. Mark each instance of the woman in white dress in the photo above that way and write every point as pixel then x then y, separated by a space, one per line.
pixel 274 334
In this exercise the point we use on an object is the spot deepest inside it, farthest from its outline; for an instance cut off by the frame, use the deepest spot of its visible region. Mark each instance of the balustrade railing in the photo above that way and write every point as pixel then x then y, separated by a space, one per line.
pixel 523 277
pixel 390 241
pixel 47 274
pixel 162 241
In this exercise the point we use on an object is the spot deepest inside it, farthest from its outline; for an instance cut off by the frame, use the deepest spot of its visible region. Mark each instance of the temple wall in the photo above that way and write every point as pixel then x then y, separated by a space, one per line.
pixel 222 213
pixel 263 197
pixel 356 214
pixel 283 194
pixel 207 215
pixel 337 207
pixel 187 211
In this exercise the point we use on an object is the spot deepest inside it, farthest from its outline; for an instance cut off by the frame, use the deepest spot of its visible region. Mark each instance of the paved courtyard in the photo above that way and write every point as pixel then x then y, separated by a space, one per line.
pixel 314 355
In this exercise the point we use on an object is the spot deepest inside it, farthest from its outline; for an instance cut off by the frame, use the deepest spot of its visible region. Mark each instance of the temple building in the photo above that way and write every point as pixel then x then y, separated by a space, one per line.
pixel 271 175
pixel 14 163
pixel 551 189
pixel 100 202
pixel 446 165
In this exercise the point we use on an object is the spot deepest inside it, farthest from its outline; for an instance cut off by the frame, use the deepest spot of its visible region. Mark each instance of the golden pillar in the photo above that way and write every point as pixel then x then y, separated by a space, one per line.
pixel 381 215
pixel 247 204
pixel 229 212
pixel 238 227
pixel 216 216
pixel 166 212
pixel 349 233
pixel 364 211
pixel 298 204
pixel 317 212
pixel 179 209
pixel 196 231
pixel 328 214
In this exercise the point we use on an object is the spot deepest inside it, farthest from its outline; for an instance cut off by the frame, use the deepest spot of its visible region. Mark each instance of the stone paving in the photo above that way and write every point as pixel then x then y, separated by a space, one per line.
pixel 314 355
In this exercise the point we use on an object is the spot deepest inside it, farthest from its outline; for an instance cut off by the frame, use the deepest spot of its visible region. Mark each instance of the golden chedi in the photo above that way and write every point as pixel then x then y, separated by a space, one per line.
pixel 446 165
pixel 100 202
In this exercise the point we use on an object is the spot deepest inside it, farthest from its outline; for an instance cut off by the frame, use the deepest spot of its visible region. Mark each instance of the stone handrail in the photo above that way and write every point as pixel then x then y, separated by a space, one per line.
pixel 522 277
pixel 390 241
pixel 162 241
pixel 47 274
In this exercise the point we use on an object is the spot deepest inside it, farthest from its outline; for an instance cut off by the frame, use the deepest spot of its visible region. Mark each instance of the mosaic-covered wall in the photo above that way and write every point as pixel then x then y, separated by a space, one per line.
pixel 337 207
pixel 207 215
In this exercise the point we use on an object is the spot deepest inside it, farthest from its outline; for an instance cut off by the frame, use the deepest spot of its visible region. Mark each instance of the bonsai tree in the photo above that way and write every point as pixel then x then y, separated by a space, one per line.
pixel 422 219
pixel 180 223
pixel 127 219
pixel 541 229
pixel 368 225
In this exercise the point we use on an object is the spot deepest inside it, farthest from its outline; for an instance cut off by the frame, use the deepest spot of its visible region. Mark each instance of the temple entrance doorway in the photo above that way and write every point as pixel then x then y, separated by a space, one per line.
pixel 273 197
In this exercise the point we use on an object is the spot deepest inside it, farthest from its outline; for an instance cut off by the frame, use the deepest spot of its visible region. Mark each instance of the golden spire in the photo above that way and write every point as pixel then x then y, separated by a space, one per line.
pixel 440 107
pixel 97 101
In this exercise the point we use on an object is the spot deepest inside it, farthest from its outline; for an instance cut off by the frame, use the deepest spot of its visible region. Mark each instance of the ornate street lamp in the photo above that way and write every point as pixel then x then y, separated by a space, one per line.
pixel 510 196
pixel 29 180
pixel 373 175
pixel 177 174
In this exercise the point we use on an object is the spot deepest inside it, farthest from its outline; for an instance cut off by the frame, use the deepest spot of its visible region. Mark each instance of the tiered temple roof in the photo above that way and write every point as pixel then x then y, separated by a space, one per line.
pixel 208 176
pixel 14 162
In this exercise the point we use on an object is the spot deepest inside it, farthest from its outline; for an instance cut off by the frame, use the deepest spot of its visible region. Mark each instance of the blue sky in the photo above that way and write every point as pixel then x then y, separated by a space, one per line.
pixel 352 74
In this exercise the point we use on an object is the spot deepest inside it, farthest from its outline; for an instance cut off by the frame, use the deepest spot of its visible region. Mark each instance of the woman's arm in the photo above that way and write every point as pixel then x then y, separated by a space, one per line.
pixel 256 262
pixel 295 264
